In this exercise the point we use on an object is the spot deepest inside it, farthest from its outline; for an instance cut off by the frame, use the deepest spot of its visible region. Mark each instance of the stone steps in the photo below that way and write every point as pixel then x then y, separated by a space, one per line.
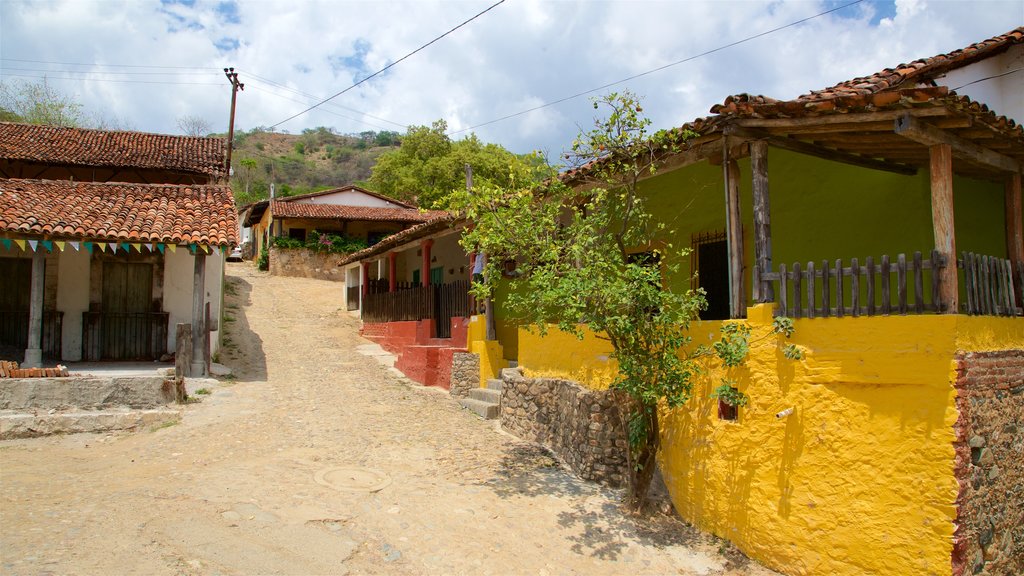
pixel 486 395
pixel 28 425
pixel 483 409
pixel 495 384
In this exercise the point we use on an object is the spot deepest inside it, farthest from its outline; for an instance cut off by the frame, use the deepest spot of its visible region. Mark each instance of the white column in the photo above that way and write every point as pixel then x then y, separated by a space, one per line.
pixel 34 349
pixel 198 314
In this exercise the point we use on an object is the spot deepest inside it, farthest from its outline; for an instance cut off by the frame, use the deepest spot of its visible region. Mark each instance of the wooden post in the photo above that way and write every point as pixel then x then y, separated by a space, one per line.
pixel 425 265
pixel 762 217
pixel 941 171
pixel 198 313
pixel 366 278
pixel 1015 231
pixel 34 348
pixel 733 234
pixel 392 271
pixel 182 350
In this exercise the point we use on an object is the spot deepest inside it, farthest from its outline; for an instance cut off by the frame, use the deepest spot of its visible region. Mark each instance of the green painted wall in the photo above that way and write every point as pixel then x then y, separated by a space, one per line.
pixel 824 210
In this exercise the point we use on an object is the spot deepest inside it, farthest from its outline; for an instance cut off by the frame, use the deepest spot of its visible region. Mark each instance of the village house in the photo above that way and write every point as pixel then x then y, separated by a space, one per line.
pixel 349 211
pixel 108 240
pixel 892 235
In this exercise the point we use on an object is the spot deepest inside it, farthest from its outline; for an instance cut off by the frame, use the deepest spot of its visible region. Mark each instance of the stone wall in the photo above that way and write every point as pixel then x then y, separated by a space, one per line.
pixel 989 537
pixel 302 263
pixel 85 392
pixel 465 373
pixel 580 426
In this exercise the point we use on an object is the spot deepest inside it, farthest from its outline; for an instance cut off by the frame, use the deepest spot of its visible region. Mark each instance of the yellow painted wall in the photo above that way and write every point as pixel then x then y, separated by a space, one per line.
pixel 858 480
pixel 489 351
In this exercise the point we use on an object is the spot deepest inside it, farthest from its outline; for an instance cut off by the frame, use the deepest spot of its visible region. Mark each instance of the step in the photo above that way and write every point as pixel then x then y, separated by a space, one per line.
pixel 486 394
pixel 485 410
pixel 513 363
pixel 75 421
pixel 495 384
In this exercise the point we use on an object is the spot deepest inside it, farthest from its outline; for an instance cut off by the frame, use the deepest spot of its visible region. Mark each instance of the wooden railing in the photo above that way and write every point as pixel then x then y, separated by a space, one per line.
pixel 855 289
pixel 440 302
pixel 124 335
pixel 14 330
pixel 991 287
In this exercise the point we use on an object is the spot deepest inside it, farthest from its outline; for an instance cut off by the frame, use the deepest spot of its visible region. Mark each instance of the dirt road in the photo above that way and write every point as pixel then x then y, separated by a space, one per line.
pixel 318 460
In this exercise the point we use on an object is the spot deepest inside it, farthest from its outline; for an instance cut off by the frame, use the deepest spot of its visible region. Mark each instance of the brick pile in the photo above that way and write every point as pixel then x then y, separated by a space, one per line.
pixel 11 370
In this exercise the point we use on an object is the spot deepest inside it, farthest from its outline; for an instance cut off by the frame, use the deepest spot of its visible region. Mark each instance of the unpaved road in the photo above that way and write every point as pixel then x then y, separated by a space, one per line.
pixel 248 482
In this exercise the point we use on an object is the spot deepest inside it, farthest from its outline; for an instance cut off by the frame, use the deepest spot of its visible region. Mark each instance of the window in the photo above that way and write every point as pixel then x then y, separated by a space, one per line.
pixel 297 233
pixel 710 257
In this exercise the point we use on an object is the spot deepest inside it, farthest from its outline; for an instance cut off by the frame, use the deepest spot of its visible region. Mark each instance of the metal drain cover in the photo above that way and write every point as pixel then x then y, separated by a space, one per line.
pixel 353 479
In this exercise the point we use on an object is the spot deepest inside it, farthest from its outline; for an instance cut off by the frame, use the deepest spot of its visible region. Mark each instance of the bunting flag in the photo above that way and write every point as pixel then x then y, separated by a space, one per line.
pixel 75 245
pixel 88 247
pixel 137 246
pixel 47 244
pixel 172 247
pixel 123 246
pixel 193 248
pixel 20 243
pixel 6 242
pixel 33 244
pixel 151 247
pixel 60 245
pixel 205 248
pixel 161 248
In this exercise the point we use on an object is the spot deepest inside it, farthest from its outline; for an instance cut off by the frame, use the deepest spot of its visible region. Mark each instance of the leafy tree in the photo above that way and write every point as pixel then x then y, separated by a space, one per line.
pixel 588 256
pixel 40 103
pixel 194 125
pixel 429 167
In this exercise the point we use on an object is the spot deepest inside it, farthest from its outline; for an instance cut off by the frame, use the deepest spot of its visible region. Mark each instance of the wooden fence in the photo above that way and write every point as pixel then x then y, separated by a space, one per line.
pixel 990 285
pixel 837 289
pixel 124 335
pixel 440 302
pixel 352 297
pixel 14 330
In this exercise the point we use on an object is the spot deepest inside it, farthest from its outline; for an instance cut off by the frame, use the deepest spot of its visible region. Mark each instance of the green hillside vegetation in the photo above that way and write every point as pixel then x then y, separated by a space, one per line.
pixel 317 159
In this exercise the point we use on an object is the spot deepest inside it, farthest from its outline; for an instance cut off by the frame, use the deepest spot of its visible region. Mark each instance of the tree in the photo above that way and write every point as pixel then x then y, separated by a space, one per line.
pixel 40 103
pixel 429 167
pixel 194 125
pixel 587 251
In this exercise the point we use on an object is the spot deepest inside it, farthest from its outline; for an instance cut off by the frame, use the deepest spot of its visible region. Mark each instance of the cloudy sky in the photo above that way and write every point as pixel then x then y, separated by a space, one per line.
pixel 147 63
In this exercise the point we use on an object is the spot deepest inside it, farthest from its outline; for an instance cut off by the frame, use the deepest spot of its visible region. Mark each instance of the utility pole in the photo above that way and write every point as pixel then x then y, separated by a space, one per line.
pixel 235 87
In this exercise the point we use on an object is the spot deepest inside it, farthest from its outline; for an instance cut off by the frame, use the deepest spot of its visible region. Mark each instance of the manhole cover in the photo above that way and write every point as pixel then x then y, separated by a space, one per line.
pixel 353 479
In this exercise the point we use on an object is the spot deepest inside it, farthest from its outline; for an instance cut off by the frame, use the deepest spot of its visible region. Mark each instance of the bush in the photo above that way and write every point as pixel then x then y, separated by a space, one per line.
pixel 317 242
pixel 263 263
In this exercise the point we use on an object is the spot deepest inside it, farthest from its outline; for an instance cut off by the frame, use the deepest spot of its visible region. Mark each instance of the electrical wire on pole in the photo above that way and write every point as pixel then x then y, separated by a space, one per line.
pixel 235 87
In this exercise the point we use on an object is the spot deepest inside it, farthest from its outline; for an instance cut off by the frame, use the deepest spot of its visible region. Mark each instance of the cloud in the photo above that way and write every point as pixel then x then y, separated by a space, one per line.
pixel 519 55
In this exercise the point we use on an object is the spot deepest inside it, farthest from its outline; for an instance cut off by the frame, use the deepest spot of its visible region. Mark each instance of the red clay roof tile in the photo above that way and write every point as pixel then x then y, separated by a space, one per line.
pixel 84 147
pixel 281 209
pixel 182 214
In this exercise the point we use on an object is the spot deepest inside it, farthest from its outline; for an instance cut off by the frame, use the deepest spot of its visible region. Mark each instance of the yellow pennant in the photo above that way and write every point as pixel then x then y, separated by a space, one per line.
pixel 60 245
pixel 21 243
pixel 172 247
pixel 137 246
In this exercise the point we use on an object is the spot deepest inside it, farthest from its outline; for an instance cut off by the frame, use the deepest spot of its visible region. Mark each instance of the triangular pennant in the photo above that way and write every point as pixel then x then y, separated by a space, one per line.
pixel 137 246
pixel 75 245
pixel 33 244
pixel 6 242
pixel 112 247
pixel 48 245
pixel 160 248
pixel 206 248
pixel 88 247
pixel 193 248
pixel 151 247
pixel 60 245
pixel 172 247
pixel 20 243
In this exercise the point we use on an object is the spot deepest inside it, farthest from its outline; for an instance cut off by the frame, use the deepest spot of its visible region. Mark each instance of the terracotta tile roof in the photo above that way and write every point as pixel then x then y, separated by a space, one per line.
pixel 84 147
pixel 282 209
pixel 349 187
pixel 445 221
pixel 177 214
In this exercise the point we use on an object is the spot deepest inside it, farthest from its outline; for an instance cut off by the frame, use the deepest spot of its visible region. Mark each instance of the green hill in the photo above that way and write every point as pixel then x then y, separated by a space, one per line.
pixel 317 159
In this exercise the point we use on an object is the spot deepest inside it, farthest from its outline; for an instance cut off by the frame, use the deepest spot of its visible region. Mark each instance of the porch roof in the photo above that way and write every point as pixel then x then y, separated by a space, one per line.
pixel 107 148
pixel 284 209
pixel 445 221
pixel 168 213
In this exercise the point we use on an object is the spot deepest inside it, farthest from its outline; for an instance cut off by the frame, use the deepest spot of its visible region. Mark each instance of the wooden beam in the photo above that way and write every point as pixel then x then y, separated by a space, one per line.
pixel 941 172
pixel 1015 229
pixel 849 118
pixel 734 235
pixel 809 149
pixel 762 217
pixel 924 133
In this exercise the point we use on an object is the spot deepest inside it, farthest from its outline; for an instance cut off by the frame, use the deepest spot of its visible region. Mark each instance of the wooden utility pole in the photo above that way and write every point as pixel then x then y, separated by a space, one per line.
pixel 235 87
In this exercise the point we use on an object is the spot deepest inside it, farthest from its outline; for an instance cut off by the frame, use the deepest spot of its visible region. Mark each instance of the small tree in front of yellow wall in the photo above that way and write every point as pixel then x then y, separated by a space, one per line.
pixel 588 257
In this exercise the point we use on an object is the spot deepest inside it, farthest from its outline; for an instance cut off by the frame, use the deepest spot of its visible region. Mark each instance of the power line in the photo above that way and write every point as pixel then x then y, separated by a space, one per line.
pixel 386 68
pixel 329 111
pixel 93 64
pixel 46 77
pixel 48 70
pixel 317 98
pixel 658 69
pixel 987 78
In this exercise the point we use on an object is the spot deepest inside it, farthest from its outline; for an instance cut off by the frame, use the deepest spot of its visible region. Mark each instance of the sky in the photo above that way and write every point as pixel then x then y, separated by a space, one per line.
pixel 143 64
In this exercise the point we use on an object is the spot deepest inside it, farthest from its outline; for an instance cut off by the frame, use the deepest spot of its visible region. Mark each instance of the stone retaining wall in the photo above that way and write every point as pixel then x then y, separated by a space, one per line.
pixel 85 392
pixel 302 263
pixel 465 373
pixel 989 537
pixel 580 426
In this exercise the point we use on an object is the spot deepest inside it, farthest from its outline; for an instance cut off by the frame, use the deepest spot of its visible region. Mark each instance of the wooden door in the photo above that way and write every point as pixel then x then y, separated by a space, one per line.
pixel 127 297
pixel 15 293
